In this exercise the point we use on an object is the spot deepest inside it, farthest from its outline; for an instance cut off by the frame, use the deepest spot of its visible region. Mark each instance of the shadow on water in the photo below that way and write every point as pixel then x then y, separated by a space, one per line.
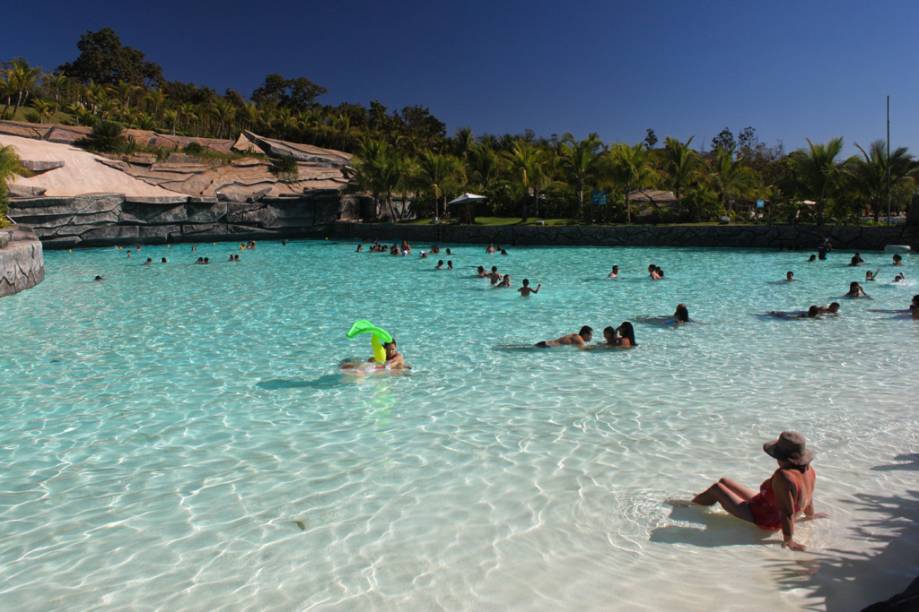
pixel 715 529
pixel 839 579
pixel 326 381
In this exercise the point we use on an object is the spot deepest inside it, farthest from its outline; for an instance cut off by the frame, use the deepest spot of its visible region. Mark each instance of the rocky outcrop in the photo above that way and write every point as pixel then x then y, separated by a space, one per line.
pixel 754 236
pixel 22 263
pixel 107 219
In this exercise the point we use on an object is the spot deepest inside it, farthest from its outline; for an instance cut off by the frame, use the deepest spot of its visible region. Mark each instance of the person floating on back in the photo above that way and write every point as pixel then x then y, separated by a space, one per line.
pixel 782 497
pixel 579 339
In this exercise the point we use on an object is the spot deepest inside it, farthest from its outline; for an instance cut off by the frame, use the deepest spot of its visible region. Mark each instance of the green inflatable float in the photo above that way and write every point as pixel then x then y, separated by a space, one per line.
pixel 378 337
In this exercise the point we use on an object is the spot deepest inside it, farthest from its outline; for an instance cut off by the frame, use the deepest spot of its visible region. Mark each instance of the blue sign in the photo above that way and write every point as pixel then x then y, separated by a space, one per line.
pixel 761 204
pixel 598 198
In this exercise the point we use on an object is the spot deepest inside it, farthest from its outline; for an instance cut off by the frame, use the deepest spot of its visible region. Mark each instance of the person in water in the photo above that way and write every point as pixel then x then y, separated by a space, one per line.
pixel 811 313
pixel 579 339
pixel 914 308
pixel 98 278
pixel 681 314
pixel 505 282
pixel 480 272
pixel 653 272
pixel 897 259
pixel 832 309
pixel 871 276
pixel 782 497
pixel 163 260
pixel 440 264
pixel 359 248
pixel 856 291
pixel 626 333
pixel 494 276
pixel 812 258
pixel 526 290
pixel 856 260
pixel 449 264
pixel 614 273
pixel 789 276
pixel 899 277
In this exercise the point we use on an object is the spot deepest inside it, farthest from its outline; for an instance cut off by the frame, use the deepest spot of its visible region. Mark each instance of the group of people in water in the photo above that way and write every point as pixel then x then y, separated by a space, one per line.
pixel 622 337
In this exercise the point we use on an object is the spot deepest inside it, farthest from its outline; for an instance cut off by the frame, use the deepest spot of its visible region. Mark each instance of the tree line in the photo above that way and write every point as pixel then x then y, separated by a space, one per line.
pixel 407 155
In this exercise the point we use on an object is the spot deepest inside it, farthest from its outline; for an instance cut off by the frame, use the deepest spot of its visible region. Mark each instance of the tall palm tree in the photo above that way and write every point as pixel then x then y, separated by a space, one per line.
pixel 439 173
pixel 22 79
pixel 526 165
pixel 44 109
pixel 630 168
pixel 378 171
pixel 817 172
pixel 681 165
pixel 731 178
pixel 869 172
pixel 580 160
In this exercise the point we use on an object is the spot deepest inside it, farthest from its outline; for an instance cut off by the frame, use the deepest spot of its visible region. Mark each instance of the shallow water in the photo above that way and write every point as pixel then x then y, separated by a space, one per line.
pixel 180 436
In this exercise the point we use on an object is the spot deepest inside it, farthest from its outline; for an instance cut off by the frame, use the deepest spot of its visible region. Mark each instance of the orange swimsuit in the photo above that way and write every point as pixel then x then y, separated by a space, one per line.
pixel 766 512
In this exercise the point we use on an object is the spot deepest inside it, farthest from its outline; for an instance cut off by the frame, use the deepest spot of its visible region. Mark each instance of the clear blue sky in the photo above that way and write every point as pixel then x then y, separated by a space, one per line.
pixel 791 69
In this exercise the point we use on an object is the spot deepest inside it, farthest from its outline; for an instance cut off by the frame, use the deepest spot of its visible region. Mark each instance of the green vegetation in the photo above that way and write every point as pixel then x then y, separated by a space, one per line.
pixel 106 137
pixel 284 167
pixel 407 156
pixel 9 165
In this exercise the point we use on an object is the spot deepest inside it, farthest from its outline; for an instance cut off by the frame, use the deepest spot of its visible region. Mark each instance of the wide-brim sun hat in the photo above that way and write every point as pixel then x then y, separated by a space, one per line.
pixel 790 446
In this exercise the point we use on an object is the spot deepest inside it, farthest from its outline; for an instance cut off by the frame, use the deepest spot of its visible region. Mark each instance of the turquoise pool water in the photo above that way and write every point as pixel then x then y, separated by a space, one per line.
pixel 179 436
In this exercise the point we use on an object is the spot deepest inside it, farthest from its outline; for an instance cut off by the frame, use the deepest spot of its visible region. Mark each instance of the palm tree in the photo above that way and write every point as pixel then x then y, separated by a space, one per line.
pixel 21 78
pixel 580 162
pixel 44 109
pixel 378 171
pixel 730 178
pixel 817 172
pixel 681 165
pixel 439 173
pixel 869 172
pixel 630 168
pixel 526 167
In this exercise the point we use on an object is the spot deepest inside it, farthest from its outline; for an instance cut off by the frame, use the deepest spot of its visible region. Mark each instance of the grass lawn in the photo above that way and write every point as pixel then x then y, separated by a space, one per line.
pixel 497 221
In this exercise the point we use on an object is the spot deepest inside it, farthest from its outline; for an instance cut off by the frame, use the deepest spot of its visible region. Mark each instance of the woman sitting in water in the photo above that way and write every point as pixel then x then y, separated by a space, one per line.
pixel 855 291
pixel 781 498
pixel 626 335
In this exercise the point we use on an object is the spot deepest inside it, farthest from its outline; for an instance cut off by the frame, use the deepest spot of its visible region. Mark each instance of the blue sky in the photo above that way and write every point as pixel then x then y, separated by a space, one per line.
pixel 793 70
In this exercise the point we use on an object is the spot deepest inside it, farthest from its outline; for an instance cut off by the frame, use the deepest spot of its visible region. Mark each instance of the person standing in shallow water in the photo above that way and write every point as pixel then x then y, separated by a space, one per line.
pixel 781 498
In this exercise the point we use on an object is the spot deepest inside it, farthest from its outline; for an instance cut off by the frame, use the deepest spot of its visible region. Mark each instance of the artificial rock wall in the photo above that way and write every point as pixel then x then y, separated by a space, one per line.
pixel 22 263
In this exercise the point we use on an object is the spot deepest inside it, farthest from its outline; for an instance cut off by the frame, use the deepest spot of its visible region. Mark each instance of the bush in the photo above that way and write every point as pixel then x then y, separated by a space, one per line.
pixel 284 167
pixel 194 148
pixel 106 137
pixel 33 117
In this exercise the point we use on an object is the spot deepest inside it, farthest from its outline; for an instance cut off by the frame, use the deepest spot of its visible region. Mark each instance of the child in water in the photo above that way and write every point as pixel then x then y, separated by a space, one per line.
pixel 526 290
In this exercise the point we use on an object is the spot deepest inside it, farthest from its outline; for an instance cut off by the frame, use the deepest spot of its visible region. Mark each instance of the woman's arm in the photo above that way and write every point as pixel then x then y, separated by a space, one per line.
pixel 785 495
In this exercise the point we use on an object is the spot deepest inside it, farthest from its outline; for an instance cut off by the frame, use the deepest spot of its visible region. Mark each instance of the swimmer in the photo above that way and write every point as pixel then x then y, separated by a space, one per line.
pixel 359 248
pixel 871 276
pixel 493 275
pixel 781 498
pixel 149 261
pixel 610 336
pixel 194 248
pixel 503 252
pixel 789 276
pixel 406 247
pixel 232 257
pixel 98 278
pixel 653 273
pixel 435 249
pixel 812 258
pixel 681 314
pixel 284 242
pixel 899 277
pixel 811 313
pixel 897 259
pixel 856 260
pixel 440 265
pixel 614 273
pixel 200 260
pixel 832 309
pixel 449 264
pixel 394 359
pixel 480 272
pixel 856 291
pixel 449 252
pixel 129 254
pixel 526 290
pixel 207 260
pixel 163 260
pixel 505 282
pixel 489 249
pixel 579 339
pixel 626 334
pixel 424 254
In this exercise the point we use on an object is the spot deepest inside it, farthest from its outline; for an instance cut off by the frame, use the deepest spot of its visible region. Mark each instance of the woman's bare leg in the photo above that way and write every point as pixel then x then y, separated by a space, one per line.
pixel 745 493
pixel 729 500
